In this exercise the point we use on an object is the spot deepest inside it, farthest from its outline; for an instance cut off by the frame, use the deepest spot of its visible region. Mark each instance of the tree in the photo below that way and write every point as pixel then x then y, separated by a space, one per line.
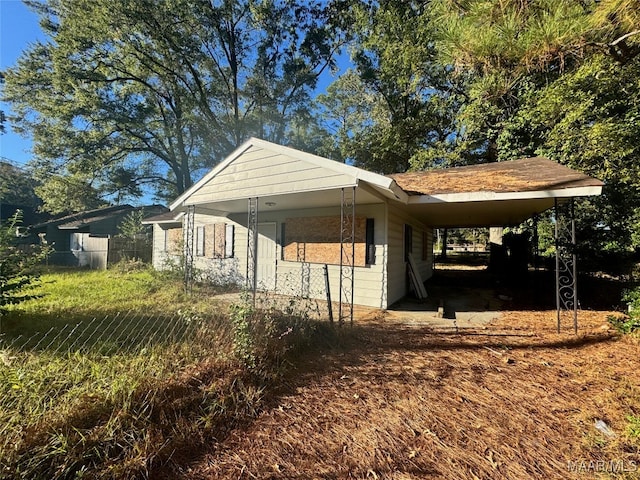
pixel 17 265
pixel 132 227
pixel 555 78
pixel 68 194
pixel 17 186
pixel 510 48
pixel 396 109
pixel 132 92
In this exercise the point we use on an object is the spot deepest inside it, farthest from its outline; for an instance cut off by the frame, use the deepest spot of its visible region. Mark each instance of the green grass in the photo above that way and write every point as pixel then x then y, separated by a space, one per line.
pixel 124 399
pixel 69 296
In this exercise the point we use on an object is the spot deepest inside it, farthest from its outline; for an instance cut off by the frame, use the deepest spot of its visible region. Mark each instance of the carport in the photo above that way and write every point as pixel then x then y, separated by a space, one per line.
pixel 506 194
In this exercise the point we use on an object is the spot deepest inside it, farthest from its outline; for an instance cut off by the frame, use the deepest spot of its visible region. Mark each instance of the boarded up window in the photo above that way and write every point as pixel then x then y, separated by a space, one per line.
pixel 219 242
pixel 317 240
pixel 174 241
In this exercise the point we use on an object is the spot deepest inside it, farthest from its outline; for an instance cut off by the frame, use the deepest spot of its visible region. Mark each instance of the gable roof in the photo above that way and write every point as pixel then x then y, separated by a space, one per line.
pixel 312 170
pixel 75 221
pixel 524 175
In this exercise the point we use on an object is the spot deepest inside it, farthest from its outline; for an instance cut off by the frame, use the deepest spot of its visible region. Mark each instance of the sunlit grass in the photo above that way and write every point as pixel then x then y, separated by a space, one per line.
pixel 105 398
pixel 68 296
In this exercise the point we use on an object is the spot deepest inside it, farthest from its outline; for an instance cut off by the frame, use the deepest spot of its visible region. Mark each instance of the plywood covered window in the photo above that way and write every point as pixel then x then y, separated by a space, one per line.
pixel 219 242
pixel 174 240
pixel 317 240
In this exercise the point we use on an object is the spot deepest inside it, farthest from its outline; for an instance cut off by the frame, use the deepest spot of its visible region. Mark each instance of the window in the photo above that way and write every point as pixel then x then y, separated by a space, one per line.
pixel 228 247
pixel 317 240
pixel 408 240
pixel 200 241
pixel 165 239
pixel 370 242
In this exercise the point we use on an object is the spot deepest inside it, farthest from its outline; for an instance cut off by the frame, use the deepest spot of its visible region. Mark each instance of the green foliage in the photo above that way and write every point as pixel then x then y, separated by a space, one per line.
pixel 394 110
pixel 17 186
pixel 110 412
pixel 18 264
pixel 63 195
pixel 131 226
pixel 565 86
pixel 126 93
pixel 630 323
pixel 633 427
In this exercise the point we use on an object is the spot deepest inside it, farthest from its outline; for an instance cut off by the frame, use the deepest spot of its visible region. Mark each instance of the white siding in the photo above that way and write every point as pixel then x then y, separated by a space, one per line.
pixel 161 259
pixel 377 285
pixel 368 289
pixel 397 284
pixel 230 270
pixel 263 173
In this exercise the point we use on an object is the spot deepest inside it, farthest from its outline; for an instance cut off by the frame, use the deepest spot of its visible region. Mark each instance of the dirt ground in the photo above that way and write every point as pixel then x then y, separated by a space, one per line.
pixel 508 399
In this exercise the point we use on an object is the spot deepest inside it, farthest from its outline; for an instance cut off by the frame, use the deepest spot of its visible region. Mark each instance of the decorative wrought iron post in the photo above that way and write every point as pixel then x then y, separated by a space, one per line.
pixel 189 227
pixel 347 254
pixel 252 247
pixel 305 280
pixel 566 262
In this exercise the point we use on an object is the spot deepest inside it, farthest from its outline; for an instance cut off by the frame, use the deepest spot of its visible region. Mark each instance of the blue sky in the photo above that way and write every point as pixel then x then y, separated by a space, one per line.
pixel 18 28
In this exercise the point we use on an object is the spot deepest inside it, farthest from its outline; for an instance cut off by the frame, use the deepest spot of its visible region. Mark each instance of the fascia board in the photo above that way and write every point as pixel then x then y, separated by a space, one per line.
pixel 493 196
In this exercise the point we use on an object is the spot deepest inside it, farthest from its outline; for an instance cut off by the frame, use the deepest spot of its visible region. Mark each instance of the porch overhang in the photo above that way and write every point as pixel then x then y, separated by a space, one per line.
pixel 489 209
pixel 494 194
pixel 299 199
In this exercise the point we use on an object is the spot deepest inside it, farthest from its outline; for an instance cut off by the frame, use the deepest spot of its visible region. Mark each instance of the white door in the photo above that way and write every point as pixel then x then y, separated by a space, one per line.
pixel 266 273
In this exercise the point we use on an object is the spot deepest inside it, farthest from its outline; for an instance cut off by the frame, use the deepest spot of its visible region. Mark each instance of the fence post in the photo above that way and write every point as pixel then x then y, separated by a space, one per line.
pixel 328 290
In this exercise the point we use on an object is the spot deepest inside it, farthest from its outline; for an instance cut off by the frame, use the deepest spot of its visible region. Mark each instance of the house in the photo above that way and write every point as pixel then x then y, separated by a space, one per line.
pixel 279 219
pixel 82 239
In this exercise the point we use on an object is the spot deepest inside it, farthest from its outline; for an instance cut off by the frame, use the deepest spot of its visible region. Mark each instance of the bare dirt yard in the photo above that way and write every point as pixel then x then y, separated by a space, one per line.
pixel 512 399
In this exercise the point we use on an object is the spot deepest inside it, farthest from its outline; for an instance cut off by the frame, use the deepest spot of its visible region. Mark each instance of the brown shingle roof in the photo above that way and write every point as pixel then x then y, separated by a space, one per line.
pixel 524 175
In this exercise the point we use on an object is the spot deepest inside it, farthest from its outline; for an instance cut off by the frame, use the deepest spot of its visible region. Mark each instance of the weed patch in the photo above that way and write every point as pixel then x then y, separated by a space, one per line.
pixel 103 394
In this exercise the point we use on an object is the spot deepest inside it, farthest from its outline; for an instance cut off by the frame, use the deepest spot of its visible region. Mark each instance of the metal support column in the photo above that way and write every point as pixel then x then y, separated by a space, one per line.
pixel 566 262
pixel 347 254
pixel 252 247
pixel 305 280
pixel 189 244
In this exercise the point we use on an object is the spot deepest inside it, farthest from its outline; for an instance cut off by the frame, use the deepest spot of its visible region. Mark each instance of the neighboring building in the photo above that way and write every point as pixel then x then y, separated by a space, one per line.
pixel 82 239
pixel 301 204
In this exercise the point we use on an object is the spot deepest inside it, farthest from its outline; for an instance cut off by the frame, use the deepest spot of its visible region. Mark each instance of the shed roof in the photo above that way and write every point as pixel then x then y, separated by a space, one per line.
pixel 524 175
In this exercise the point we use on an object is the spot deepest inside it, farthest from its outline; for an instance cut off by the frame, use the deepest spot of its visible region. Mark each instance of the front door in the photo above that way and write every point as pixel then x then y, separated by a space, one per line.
pixel 266 272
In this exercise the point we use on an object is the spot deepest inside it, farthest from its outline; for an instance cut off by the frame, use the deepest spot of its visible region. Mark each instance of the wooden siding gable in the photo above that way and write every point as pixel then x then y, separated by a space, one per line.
pixel 260 168
pixel 259 172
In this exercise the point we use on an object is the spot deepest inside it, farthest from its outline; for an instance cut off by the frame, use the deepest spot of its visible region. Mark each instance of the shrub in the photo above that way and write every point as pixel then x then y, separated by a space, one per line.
pixel 17 264
pixel 629 323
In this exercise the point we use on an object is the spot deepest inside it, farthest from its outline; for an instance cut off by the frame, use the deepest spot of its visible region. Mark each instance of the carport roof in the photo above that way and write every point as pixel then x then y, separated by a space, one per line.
pixel 492 194
pixel 524 175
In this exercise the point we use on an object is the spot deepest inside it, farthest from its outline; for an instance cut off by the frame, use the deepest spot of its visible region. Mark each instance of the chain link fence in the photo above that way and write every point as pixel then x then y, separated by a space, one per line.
pixel 305 285
pixel 47 375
